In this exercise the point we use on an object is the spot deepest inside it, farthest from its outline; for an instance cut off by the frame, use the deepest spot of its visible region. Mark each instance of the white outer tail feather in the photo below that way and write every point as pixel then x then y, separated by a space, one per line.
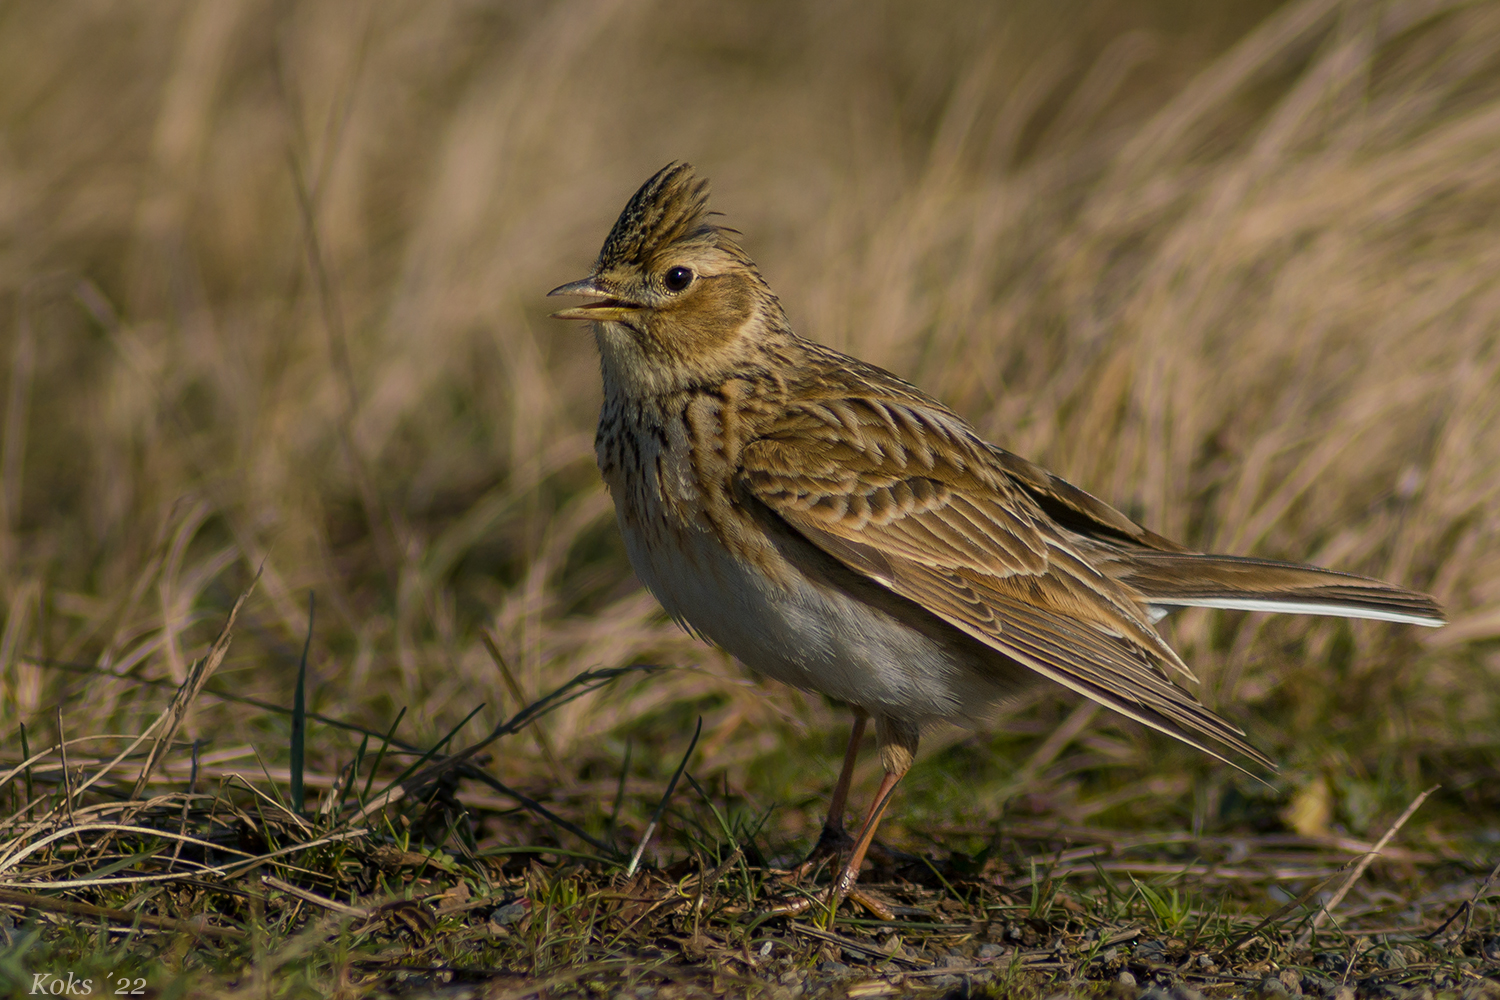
pixel 1159 609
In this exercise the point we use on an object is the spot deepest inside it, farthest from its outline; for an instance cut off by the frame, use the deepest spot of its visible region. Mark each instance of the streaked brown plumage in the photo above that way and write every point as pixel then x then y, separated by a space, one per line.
pixel 835 528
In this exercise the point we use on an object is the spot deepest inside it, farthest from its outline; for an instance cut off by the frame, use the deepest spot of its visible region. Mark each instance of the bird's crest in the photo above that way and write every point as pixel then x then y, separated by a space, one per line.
pixel 669 207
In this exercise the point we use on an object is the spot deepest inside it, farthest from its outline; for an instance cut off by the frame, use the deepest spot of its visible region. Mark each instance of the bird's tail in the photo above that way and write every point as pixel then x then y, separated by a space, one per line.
pixel 1184 579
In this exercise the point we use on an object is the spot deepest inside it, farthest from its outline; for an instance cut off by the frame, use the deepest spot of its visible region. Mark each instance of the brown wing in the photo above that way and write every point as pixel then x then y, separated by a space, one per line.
pixel 1076 510
pixel 907 495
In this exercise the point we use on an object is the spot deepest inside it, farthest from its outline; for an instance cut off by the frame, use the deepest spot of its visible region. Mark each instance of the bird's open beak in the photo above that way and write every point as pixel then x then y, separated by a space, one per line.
pixel 603 304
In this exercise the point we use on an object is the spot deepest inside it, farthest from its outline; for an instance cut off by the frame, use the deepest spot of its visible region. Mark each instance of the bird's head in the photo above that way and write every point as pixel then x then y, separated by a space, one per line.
pixel 674 297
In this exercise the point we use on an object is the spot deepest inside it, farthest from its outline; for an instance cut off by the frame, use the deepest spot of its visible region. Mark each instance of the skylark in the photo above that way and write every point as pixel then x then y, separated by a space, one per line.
pixel 837 529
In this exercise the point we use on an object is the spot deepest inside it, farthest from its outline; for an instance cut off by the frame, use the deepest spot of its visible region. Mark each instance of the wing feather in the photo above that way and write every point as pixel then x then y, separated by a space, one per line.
pixel 919 504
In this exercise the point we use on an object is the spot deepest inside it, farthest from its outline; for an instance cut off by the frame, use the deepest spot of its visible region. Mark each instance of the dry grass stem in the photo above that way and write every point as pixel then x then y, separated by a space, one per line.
pixel 1359 868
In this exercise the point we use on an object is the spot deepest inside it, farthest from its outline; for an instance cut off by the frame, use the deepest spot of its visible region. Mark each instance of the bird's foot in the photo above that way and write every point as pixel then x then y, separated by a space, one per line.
pixel 829 899
pixel 877 909
pixel 832 842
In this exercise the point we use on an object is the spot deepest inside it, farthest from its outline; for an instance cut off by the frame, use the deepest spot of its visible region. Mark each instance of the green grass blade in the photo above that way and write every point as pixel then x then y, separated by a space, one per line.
pixel 385 742
pixel 299 712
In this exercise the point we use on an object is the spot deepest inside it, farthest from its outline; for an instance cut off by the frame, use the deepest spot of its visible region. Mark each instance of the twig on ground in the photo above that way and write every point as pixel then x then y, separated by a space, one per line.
pixel 850 944
pixel 272 882
pixel 76 909
pixel 1478 895
pixel 640 848
pixel 230 869
pixel 1364 862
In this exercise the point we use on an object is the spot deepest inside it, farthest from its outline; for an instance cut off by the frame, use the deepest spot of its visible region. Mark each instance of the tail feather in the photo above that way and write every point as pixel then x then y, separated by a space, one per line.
pixel 1185 579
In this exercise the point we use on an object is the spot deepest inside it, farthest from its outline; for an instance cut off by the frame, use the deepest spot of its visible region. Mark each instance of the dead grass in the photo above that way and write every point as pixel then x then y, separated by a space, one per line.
pixel 271 283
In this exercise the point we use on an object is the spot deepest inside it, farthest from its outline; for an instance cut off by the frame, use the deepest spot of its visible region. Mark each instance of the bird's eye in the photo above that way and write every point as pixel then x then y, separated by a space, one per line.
pixel 678 278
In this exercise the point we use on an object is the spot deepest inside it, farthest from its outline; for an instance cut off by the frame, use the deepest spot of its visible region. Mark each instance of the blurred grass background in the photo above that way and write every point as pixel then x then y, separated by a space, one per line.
pixel 271 294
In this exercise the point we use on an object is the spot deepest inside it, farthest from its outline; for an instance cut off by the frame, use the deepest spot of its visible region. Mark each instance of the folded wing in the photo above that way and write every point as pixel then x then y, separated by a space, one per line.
pixel 906 495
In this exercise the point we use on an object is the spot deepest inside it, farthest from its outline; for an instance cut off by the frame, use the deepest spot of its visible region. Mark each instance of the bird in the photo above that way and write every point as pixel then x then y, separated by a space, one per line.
pixel 835 528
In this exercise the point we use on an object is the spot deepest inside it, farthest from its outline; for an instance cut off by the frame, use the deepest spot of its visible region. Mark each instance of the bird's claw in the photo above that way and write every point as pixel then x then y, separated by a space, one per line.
pixel 829 899
pixel 832 842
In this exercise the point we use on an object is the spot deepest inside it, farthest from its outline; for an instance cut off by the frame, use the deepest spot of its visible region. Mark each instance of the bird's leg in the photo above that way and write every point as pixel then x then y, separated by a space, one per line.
pixel 898 746
pixel 833 839
pixel 834 825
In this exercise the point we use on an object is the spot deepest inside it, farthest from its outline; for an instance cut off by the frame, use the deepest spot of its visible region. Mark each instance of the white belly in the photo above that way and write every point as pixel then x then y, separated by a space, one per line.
pixel 813 636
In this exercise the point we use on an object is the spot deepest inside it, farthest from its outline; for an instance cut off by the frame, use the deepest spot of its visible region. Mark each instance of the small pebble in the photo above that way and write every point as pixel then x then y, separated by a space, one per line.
pixel 990 952
pixel 1292 980
pixel 508 914
pixel 1344 993
pixel 1182 991
pixel 1272 987
pixel 1126 979
pixel 1321 985
pixel 831 968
